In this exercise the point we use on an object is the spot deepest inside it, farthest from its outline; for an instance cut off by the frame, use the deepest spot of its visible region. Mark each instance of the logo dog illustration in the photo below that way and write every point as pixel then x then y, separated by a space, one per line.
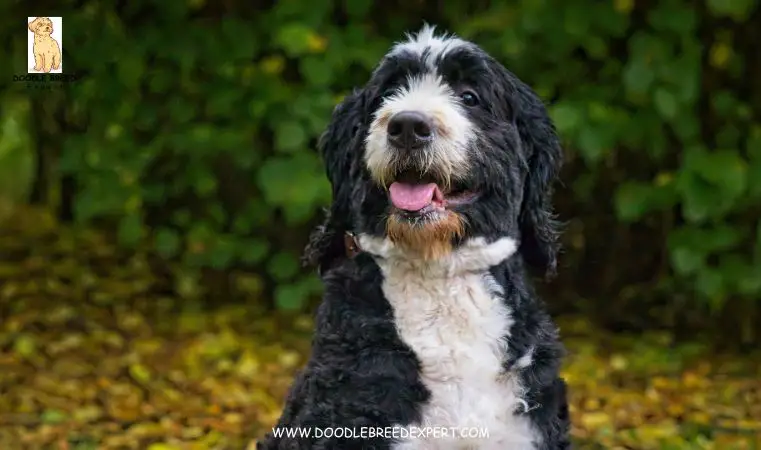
pixel 47 52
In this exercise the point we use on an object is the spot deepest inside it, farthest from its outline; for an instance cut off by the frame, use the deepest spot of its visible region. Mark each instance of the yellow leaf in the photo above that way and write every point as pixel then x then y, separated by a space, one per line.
pixel 592 404
pixel 623 6
pixel 273 65
pixel 289 359
pixel 661 382
pixel 618 362
pixel 248 364
pixel 140 373
pixel 233 418
pixel 162 446
pixel 720 55
pixel 133 203
pixel 595 419
pixel 663 179
pixel 316 43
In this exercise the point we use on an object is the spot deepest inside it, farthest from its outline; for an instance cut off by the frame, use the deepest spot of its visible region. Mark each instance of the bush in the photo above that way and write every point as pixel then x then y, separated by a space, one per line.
pixel 198 120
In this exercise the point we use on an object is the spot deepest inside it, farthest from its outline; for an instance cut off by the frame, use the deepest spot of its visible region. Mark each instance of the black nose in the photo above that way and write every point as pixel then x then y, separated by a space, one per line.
pixel 409 129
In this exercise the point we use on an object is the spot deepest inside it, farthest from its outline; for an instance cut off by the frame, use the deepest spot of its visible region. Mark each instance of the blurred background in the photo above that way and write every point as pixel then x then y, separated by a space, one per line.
pixel 152 212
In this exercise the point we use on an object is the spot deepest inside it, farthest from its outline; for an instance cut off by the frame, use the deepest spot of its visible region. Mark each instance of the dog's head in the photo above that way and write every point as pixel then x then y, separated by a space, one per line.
pixel 41 26
pixel 442 144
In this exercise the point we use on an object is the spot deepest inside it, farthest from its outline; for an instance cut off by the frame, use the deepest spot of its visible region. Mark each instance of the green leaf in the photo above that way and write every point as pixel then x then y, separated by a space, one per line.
pixel 721 237
pixel 592 143
pixel 316 71
pixel 567 117
pixel 130 69
pixel 632 200
pixel 699 198
pixel 725 169
pixel 638 77
pixel 736 9
pixel 252 251
pixel 710 283
pixel 53 416
pixel 131 230
pixel 283 266
pixel 297 180
pixel 725 103
pixel 222 252
pixel 167 242
pixel 674 16
pixel 686 260
pixel 666 103
pixel 290 136
pixel 750 283
pixel 290 297
pixel 294 38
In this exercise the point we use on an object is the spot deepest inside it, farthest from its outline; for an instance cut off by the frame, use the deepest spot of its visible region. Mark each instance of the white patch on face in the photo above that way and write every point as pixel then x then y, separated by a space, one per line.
pixel 447 154
pixel 426 40
pixel 451 314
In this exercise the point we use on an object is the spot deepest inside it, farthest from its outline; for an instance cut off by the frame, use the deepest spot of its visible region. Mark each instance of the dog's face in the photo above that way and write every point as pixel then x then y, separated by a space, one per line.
pixel 41 26
pixel 442 144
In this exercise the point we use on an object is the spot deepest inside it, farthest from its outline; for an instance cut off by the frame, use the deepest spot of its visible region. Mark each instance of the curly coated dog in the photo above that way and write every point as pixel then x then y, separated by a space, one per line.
pixel 47 52
pixel 430 335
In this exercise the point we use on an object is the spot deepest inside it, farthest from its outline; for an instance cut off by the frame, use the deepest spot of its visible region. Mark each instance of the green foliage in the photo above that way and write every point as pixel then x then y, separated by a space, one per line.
pixel 200 132
pixel 17 157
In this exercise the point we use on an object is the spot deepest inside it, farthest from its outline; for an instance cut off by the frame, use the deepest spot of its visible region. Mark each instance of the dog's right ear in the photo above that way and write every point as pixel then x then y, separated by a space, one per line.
pixel 338 147
pixel 33 24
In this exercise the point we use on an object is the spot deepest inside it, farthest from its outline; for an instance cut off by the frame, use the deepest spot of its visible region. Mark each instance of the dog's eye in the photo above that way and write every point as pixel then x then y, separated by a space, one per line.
pixel 469 98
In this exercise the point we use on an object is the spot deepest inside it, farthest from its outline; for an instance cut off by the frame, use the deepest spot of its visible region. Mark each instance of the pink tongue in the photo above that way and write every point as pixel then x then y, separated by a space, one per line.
pixel 411 197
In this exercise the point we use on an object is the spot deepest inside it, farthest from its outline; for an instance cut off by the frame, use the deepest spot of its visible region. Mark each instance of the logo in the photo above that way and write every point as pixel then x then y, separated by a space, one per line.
pixel 44 45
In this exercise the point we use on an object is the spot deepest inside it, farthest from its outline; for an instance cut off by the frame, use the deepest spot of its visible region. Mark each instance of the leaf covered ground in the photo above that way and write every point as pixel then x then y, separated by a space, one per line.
pixel 98 352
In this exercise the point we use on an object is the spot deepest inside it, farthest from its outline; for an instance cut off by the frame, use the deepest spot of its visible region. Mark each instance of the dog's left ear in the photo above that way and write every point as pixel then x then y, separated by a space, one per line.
pixel 33 24
pixel 338 147
pixel 539 229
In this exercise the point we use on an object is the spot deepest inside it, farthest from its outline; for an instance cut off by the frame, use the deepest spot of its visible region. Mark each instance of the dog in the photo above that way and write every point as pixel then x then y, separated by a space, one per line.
pixel 430 335
pixel 47 52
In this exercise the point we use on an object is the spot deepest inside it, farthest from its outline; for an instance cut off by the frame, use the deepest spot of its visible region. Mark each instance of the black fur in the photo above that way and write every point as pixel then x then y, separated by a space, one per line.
pixel 360 372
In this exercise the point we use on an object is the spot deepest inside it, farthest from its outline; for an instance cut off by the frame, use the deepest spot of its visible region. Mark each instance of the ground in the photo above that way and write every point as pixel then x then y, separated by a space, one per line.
pixel 96 352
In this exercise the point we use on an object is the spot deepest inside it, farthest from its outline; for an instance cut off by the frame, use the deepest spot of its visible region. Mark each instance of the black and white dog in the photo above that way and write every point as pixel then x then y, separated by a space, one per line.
pixel 442 169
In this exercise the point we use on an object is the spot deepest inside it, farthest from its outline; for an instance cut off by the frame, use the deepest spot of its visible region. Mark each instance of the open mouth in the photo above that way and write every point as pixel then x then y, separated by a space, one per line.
pixel 413 194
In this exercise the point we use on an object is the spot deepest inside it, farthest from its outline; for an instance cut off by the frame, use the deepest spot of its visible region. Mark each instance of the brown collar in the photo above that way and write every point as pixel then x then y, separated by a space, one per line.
pixel 351 245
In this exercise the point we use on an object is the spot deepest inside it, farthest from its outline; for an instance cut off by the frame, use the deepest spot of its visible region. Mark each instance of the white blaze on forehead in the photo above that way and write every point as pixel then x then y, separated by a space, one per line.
pixel 426 42
pixel 431 95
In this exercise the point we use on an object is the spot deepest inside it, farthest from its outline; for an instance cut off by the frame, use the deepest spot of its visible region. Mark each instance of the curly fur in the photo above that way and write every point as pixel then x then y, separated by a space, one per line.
pixel 458 338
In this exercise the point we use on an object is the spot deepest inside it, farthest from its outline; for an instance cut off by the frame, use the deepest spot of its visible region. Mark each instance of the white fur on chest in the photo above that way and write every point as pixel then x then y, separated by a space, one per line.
pixel 450 313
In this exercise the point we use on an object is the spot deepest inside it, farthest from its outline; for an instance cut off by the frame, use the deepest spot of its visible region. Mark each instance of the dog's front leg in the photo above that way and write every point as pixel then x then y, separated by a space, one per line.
pixel 38 60
pixel 346 417
pixel 47 63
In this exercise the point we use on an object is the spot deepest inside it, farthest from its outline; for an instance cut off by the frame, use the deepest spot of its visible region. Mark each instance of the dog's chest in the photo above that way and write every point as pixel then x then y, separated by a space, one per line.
pixel 458 327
